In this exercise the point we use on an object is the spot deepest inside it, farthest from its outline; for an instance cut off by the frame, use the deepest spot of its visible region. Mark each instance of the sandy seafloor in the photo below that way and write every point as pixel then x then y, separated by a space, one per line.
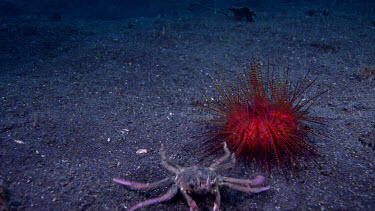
pixel 79 96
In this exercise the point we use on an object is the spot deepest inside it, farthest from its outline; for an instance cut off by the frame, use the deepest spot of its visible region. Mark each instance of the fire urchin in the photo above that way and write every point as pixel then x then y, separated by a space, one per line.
pixel 262 118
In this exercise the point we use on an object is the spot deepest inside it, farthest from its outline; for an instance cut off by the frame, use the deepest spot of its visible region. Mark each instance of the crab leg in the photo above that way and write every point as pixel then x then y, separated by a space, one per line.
pixel 169 165
pixel 145 186
pixel 244 185
pixel 193 206
pixel 222 159
pixel 216 193
pixel 171 192
pixel 226 165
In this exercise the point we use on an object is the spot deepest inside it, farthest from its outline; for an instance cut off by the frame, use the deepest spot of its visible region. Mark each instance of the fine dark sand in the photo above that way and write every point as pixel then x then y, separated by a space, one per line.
pixel 80 95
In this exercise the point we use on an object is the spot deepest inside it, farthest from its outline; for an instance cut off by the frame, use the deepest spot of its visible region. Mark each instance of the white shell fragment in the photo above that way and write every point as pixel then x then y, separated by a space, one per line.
pixel 124 131
pixel 19 141
pixel 141 151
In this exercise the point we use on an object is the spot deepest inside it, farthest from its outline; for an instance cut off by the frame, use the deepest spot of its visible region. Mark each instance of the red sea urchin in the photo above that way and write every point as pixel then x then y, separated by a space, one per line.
pixel 262 118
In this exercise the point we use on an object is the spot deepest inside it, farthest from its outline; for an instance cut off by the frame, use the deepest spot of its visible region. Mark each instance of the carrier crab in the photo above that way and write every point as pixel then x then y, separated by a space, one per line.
pixel 197 180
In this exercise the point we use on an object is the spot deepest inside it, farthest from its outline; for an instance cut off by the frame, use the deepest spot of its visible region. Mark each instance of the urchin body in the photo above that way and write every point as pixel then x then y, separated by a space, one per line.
pixel 197 180
pixel 262 119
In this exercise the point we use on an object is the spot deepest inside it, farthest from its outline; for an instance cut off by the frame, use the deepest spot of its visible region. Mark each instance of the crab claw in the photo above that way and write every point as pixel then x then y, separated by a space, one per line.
pixel 245 185
pixel 258 190
pixel 257 180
